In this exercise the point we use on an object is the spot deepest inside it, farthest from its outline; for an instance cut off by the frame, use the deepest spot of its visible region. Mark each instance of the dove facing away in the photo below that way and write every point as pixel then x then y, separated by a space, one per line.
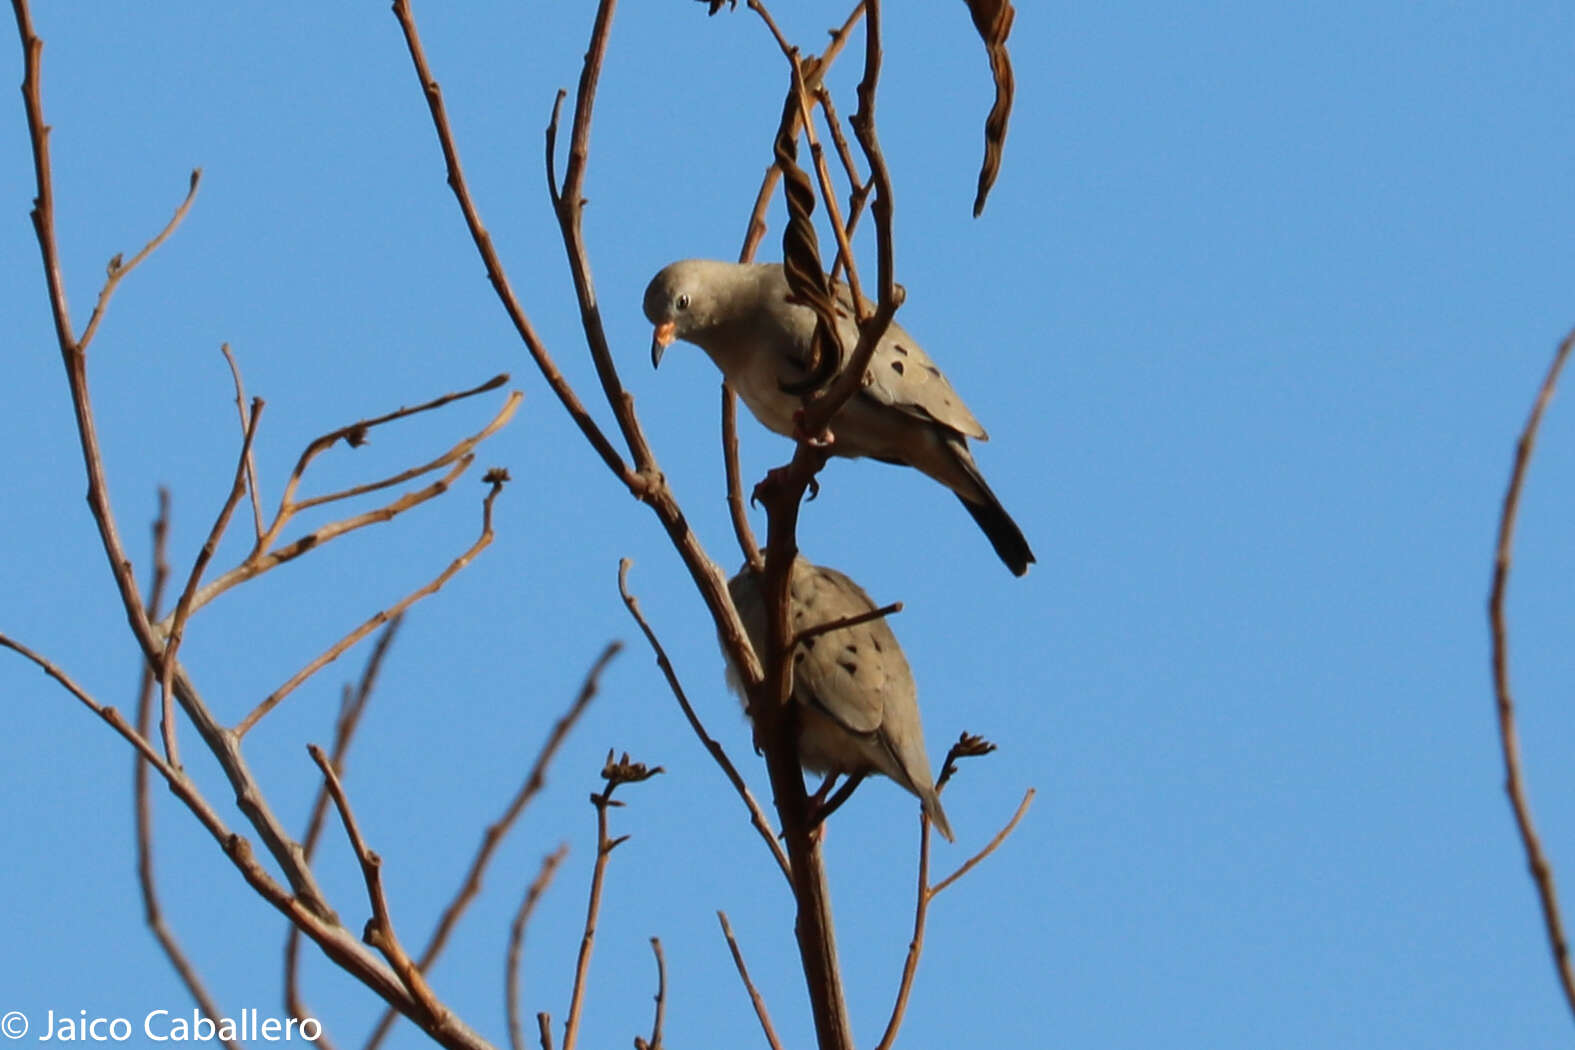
pixel 745 318
pixel 858 707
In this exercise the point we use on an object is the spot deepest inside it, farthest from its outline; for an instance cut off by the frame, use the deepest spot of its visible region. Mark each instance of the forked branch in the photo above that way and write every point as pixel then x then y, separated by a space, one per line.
pixel 967 746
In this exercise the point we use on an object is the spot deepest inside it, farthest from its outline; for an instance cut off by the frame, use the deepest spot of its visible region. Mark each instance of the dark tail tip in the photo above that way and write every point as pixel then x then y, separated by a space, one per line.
pixel 1007 539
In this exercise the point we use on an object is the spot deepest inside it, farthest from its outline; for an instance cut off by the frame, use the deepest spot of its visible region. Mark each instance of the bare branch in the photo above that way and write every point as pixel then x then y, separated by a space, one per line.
pixel 496 480
pixel 458 459
pixel 117 271
pixel 495 272
pixel 569 205
pixel 152 913
pixel 544 1029
pixel 496 831
pixel 380 929
pixel 252 804
pixel 735 485
pixel 511 968
pixel 760 9
pixel 183 606
pixel 645 482
pixel 811 633
pixel 251 467
pixel 757 816
pixel 655 1042
pixel 335 941
pixel 749 986
pixel 966 746
pixel 1541 870
pixel 994 844
pixel 910 964
pixel 355 435
pixel 828 193
pixel 302 902
pixel 859 188
pixel 622 771
pixel 351 708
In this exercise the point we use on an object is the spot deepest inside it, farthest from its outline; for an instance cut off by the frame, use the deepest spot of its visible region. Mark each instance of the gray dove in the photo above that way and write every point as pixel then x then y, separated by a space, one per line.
pixel 745 318
pixel 858 708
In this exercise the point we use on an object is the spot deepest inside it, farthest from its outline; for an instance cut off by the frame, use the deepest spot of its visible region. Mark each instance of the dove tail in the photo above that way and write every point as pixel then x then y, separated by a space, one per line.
pixel 964 479
pixel 1007 539
pixel 937 815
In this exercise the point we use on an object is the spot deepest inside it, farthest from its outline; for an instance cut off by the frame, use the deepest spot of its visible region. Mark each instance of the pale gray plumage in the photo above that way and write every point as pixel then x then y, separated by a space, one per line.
pixel 906 412
pixel 858 707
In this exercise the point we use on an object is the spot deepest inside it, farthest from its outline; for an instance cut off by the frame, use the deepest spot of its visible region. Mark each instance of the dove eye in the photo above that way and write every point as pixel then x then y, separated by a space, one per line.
pixel 683 301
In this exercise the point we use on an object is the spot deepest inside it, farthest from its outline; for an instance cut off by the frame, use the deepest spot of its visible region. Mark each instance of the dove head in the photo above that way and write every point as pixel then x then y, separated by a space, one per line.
pixel 686 299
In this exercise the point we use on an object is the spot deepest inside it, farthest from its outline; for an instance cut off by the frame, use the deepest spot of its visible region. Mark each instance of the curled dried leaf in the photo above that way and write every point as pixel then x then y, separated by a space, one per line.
pixel 993 20
pixel 801 249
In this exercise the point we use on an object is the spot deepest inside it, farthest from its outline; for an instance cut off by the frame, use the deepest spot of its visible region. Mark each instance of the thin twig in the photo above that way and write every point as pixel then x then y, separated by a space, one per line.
pixel 117 271
pixel 544 1029
pixel 757 816
pixel 965 746
pixel 760 9
pixel 380 930
pixel 910 964
pixel 183 609
pixel 457 459
pixel 859 188
pixel 621 771
pixel 749 986
pixel 511 966
pixel 351 708
pixel 735 483
pixel 356 434
pixel 828 193
pixel 655 1042
pixel 251 467
pixel 377 620
pixel 811 633
pixel 494 835
pixel 152 912
pixel 495 272
pixel 994 844
pixel 1514 786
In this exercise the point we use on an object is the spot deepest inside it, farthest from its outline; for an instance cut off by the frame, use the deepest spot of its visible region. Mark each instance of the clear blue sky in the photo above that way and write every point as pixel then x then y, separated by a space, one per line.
pixel 1253 318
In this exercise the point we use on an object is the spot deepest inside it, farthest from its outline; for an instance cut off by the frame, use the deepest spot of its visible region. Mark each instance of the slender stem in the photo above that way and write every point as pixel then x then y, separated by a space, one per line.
pixel 757 816
pixel 511 967
pixel 1514 785
pixel 755 998
pixel 535 780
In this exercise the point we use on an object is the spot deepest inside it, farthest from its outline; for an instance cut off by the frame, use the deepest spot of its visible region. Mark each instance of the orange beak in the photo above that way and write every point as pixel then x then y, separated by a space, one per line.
pixel 661 339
